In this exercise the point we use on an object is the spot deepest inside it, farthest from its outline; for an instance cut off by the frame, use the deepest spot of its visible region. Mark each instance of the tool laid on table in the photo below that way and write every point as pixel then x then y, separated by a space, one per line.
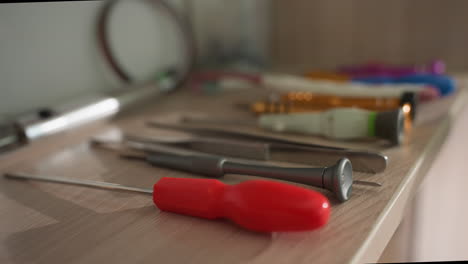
pixel 340 123
pixel 282 149
pixel 436 67
pixel 28 127
pixel 328 76
pixel 291 83
pixel 220 146
pixel 294 102
pixel 294 83
pixel 337 123
pixel 444 84
pixel 257 205
pixel 376 74
pixel 363 161
pixel 337 178
pixel 346 73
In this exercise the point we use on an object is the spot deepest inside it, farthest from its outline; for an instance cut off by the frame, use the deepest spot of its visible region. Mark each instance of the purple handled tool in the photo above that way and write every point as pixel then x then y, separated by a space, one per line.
pixel 437 67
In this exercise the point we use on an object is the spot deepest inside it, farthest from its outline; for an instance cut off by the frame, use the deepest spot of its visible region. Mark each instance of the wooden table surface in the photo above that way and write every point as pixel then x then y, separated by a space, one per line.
pixel 52 223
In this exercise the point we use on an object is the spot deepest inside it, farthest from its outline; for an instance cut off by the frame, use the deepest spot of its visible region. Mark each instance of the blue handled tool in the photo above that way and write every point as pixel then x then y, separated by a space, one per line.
pixel 445 84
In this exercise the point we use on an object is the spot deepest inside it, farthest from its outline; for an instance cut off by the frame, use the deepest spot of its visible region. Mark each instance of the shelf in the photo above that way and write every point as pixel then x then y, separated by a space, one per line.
pixel 48 223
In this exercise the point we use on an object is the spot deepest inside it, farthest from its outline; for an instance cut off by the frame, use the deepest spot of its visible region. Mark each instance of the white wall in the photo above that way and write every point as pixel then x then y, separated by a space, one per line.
pixel 233 25
pixel 47 50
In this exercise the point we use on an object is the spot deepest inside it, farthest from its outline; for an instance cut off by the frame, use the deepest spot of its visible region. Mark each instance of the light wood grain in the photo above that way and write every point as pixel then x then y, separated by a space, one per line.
pixel 311 34
pixel 49 223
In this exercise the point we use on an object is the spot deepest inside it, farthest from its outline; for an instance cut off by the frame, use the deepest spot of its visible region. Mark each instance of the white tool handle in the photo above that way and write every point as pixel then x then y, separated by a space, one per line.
pixel 290 83
pixel 338 123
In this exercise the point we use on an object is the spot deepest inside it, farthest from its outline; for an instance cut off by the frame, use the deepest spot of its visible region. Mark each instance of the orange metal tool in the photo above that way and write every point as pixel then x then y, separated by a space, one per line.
pixel 331 76
pixel 295 102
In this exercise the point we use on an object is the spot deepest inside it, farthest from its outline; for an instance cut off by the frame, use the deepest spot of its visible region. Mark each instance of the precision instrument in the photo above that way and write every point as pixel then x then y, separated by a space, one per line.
pixel 294 102
pixel 362 161
pixel 340 123
pixel 25 128
pixel 346 73
pixel 291 83
pixel 337 178
pixel 257 205
pixel 226 147
pixel 436 67
pixel 429 93
pixel 282 149
pixel 443 83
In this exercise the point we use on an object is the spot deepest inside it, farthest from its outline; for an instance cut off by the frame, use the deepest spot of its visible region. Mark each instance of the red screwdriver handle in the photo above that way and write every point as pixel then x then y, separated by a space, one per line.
pixel 258 205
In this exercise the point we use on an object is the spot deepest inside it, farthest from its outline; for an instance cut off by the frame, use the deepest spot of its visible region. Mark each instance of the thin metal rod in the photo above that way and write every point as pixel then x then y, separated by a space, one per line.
pixel 217 121
pixel 367 183
pixel 80 182
pixel 135 151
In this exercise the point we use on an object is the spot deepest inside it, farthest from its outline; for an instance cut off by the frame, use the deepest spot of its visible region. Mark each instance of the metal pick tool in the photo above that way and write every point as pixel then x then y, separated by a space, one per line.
pixel 337 178
pixel 224 147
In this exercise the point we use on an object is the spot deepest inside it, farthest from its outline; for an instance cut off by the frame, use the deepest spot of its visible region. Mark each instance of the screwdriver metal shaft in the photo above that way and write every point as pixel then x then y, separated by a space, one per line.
pixel 80 182
pixel 258 205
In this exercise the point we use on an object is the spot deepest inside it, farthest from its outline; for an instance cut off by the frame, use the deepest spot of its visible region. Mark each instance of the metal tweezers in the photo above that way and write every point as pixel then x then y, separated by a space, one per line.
pixel 263 147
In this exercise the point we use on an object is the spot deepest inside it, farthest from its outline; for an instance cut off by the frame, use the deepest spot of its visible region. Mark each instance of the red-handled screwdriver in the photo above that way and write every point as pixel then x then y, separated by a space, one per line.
pixel 258 205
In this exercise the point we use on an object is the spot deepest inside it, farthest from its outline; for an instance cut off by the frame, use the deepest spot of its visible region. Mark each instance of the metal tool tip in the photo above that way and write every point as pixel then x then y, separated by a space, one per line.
pixel 106 144
pixel 8 175
pixel 16 176
pixel 242 105
pixel 367 183
pixel 130 154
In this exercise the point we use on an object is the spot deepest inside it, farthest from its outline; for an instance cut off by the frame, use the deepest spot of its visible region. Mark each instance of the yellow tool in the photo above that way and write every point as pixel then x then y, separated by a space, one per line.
pixel 296 102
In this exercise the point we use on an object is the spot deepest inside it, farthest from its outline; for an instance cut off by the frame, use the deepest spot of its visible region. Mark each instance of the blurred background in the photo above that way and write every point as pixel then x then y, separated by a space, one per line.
pixel 48 55
pixel 325 34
